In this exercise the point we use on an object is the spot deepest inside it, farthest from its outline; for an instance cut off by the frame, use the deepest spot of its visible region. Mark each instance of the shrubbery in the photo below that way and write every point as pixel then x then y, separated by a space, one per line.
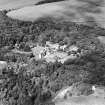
pixel 24 89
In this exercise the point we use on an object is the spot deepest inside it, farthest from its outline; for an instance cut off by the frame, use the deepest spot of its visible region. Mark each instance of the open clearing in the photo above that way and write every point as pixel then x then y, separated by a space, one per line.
pixel 73 10
pixel 83 100
pixel 32 13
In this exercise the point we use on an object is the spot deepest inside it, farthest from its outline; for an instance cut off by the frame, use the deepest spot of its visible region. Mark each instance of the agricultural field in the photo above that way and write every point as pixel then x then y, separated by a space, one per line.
pixel 90 12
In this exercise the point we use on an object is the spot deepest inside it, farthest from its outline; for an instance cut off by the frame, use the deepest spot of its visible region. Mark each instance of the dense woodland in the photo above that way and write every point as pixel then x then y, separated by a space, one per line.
pixel 37 82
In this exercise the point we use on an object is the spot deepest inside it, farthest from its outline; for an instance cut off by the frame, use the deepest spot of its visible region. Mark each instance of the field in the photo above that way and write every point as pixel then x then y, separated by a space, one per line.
pixel 89 12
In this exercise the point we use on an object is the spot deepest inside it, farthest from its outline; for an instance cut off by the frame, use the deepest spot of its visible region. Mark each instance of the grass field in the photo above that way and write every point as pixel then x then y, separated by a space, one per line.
pixel 80 11
pixel 83 100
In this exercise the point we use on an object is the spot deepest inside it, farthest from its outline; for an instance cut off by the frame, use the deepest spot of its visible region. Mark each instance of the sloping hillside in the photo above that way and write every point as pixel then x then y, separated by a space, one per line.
pixel 83 100
pixel 32 13
pixel 81 11
pixel 13 4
